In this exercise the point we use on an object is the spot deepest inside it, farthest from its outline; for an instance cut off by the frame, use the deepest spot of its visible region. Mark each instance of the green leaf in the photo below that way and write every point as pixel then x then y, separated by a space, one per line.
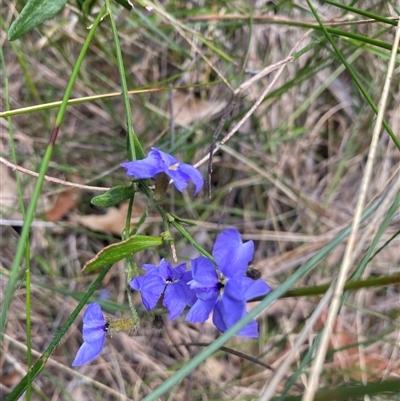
pixel 121 250
pixel 33 14
pixel 113 196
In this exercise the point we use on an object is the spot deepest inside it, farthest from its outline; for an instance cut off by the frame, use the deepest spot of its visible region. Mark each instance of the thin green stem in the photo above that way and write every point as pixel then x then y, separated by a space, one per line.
pixel 28 322
pixel 367 14
pixel 135 150
pixel 186 235
pixel 127 229
pixel 39 183
pixel 140 222
pixel 350 285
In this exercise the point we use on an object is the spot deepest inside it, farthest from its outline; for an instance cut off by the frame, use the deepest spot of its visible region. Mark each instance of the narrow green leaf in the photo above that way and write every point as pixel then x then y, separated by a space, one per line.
pixel 113 196
pixel 33 14
pixel 121 250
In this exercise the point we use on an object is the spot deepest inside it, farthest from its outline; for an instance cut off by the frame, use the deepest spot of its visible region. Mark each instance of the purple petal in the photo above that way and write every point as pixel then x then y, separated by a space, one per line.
pixel 175 299
pixel 145 168
pixel 204 273
pixel 151 289
pixel 93 334
pixel 191 296
pixel 136 283
pixel 169 273
pixel 149 267
pixel 178 271
pixel 253 289
pixel 93 323
pixel 182 173
pixel 181 179
pixel 200 311
pixel 165 270
pixel 229 311
pixel 89 351
pixel 93 316
pixel 250 330
pixel 232 255
pixel 218 318
pixel 165 160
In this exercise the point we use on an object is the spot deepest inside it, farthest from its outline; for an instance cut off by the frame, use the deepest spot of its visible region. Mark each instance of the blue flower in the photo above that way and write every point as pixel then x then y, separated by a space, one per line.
pixel 94 333
pixel 226 290
pixel 160 162
pixel 168 281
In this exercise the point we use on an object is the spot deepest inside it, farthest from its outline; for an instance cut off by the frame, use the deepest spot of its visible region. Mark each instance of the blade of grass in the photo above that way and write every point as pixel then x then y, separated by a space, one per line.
pixel 358 11
pixel 39 183
pixel 135 150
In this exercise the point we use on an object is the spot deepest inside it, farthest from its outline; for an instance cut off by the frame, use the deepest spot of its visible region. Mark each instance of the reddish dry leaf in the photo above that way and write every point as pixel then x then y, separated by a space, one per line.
pixel 64 203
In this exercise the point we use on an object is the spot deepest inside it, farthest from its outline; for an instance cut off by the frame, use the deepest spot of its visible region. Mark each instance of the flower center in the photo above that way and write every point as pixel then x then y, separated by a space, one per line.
pixel 174 167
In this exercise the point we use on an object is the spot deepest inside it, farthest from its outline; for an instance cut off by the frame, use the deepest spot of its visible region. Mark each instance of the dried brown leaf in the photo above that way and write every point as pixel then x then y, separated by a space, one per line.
pixel 64 203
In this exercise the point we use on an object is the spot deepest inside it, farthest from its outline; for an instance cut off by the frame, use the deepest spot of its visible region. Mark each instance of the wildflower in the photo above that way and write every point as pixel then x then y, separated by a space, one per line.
pixel 94 333
pixel 226 290
pixel 171 282
pixel 160 162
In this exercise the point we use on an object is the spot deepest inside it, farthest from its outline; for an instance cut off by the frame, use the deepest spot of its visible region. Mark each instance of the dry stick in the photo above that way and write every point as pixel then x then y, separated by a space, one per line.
pixel 278 66
pixel 228 111
pixel 229 108
pixel 51 179
pixel 348 258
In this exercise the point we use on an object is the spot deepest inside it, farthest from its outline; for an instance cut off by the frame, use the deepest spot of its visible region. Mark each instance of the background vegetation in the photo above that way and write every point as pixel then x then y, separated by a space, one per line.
pixel 289 178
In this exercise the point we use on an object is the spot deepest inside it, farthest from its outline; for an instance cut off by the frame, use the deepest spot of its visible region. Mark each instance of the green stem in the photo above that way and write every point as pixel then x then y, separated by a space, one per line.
pixel 39 183
pixel 140 222
pixel 41 362
pixel 28 322
pixel 362 12
pixel 350 285
pixel 186 235
pixel 135 148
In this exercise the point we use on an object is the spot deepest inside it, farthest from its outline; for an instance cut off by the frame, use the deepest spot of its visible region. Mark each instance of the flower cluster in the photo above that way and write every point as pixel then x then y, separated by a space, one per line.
pixel 222 288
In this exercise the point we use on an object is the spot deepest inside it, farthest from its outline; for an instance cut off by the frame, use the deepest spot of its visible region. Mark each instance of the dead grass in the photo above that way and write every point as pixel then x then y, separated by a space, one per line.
pixel 288 179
